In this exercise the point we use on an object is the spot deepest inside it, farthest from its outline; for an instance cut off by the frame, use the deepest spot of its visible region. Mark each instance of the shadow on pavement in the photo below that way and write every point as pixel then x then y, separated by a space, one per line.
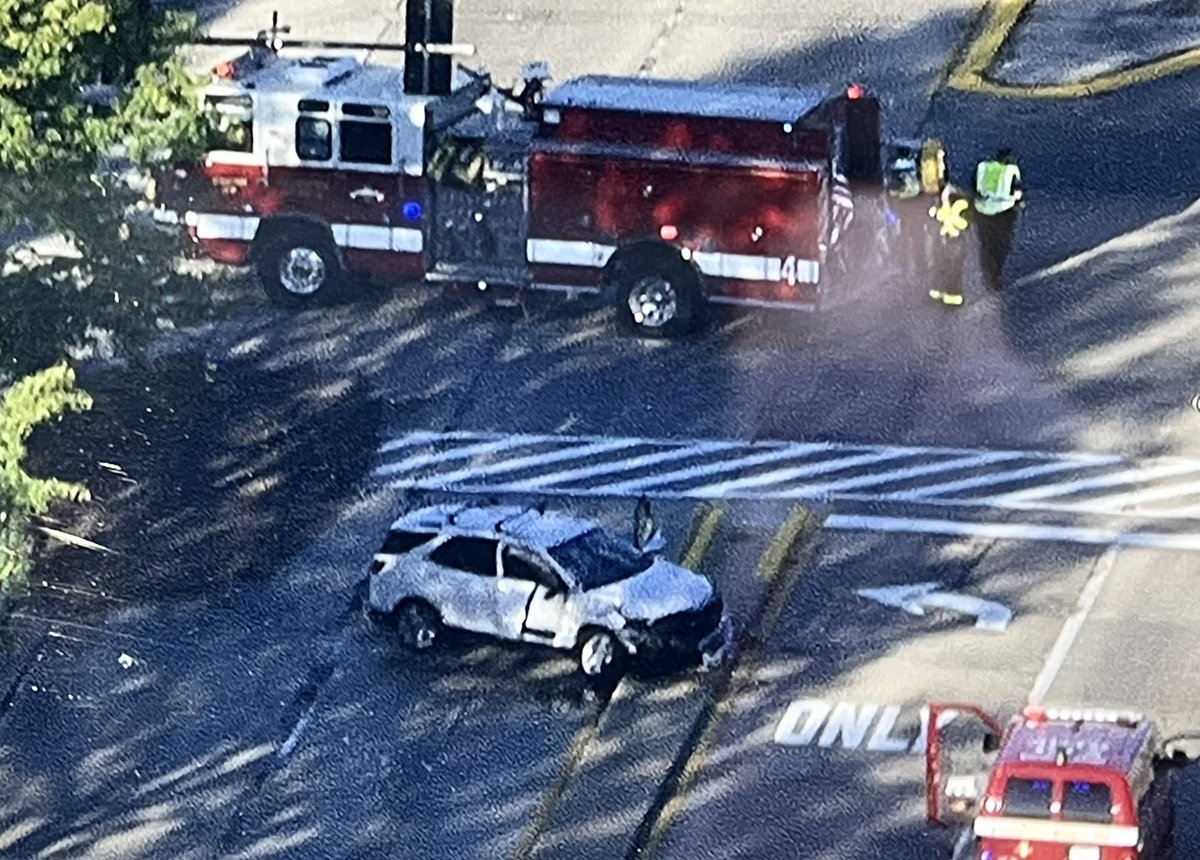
pixel 158 718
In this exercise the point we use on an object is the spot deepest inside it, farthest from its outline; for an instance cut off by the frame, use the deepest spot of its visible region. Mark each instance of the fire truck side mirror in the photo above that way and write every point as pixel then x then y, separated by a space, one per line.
pixel 1179 752
pixel 991 742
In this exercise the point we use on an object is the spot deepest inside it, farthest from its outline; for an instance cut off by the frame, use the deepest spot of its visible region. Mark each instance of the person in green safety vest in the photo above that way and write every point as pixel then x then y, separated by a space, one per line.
pixel 998 192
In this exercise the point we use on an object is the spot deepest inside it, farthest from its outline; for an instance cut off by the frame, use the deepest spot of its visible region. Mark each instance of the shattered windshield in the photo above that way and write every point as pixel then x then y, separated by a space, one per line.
pixel 599 558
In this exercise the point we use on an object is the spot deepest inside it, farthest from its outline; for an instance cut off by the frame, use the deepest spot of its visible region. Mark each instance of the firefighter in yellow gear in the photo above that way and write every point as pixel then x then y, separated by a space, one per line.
pixel 931 216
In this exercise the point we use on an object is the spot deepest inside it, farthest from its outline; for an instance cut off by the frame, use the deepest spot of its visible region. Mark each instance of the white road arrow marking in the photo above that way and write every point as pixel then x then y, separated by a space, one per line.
pixel 915 599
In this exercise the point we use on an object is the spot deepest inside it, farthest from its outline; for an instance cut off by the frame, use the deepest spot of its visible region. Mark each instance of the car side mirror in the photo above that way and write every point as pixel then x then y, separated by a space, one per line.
pixel 991 742
pixel 656 543
pixel 645 529
pixel 1179 752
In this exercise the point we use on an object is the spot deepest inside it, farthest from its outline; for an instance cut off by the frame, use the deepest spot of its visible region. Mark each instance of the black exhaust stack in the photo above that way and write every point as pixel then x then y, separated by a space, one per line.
pixel 428 22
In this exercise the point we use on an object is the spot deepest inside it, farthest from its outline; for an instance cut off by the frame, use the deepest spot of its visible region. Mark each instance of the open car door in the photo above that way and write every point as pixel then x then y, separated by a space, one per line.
pixel 960 748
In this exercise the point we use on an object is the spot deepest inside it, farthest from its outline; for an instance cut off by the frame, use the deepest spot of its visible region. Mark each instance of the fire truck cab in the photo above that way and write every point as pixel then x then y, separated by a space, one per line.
pixel 658 197
pixel 1063 784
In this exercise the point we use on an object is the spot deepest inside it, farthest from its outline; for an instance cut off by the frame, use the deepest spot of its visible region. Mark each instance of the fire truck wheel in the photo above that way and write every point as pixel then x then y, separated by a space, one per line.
pixel 299 267
pixel 659 302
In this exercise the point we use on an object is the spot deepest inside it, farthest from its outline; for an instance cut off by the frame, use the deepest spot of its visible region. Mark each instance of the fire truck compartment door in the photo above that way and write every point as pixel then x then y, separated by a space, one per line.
pixel 958 761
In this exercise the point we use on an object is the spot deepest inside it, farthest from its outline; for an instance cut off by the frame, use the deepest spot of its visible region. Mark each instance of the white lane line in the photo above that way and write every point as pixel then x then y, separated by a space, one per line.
pixel 641 484
pixel 571 453
pixel 1124 500
pixel 904 474
pixel 1014 531
pixel 568 475
pixel 1115 479
pixel 411 463
pixel 410 440
pixel 995 478
pixel 781 475
pixel 962 844
pixel 915 450
pixel 289 745
pixel 1072 626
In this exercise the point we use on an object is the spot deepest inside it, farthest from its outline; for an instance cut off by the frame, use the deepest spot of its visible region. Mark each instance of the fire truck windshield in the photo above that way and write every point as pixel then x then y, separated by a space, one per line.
pixel 1028 798
pixel 231 121
pixel 1087 801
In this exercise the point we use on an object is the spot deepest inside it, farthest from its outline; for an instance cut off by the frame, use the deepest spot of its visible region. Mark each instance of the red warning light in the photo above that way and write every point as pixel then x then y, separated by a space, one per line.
pixel 668 232
pixel 855 92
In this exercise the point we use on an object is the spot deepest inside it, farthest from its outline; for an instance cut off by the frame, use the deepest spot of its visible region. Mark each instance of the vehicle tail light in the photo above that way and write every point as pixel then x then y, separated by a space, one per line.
pixel 669 232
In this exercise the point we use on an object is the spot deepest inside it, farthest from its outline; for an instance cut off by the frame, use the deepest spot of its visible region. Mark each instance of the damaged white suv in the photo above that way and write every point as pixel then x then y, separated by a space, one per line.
pixel 547 578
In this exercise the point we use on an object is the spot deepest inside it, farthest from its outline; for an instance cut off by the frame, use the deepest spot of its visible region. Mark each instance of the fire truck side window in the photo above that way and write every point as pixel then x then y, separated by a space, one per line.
pixel 367 140
pixel 314 139
pixel 1027 798
pixel 231 119
pixel 1087 801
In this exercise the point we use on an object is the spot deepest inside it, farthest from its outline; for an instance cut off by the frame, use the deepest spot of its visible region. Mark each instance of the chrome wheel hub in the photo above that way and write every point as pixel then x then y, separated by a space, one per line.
pixel 302 271
pixel 653 302
pixel 597 653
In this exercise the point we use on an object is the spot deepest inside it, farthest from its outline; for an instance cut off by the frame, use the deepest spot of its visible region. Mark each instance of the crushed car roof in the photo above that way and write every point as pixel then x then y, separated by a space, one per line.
pixel 530 526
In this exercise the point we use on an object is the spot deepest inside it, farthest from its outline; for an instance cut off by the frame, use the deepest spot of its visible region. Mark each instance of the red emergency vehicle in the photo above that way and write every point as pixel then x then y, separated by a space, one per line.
pixel 657 196
pixel 1063 784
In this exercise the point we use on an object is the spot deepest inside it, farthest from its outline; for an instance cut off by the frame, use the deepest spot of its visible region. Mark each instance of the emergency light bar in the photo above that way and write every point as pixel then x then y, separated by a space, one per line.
pixel 1087 715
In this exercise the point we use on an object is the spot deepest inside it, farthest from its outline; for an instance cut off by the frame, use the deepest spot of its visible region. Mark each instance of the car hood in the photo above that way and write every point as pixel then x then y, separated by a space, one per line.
pixel 660 590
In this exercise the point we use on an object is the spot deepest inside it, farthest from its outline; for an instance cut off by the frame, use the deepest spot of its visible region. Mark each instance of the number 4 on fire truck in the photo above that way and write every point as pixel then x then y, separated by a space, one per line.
pixel 1055 784
pixel 656 197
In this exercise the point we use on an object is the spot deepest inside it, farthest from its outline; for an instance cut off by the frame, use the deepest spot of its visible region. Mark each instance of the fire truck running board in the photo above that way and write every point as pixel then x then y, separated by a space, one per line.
pixel 808 307
pixel 467 273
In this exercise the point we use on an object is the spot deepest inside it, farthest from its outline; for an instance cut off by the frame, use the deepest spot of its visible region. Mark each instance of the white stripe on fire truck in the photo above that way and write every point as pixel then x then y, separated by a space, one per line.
pixel 742 267
pixel 366 237
pixel 1073 832
pixel 211 226
pixel 568 253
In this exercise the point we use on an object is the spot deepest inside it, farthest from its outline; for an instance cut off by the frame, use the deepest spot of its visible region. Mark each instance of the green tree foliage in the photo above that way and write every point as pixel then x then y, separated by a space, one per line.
pixel 33 401
pixel 82 82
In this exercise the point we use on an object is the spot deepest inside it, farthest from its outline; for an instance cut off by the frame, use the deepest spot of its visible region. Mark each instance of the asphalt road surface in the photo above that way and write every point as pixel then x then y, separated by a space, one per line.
pixel 1034 449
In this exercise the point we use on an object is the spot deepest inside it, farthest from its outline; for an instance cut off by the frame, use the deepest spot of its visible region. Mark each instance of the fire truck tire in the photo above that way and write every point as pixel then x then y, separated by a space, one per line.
pixel 659 300
pixel 299 266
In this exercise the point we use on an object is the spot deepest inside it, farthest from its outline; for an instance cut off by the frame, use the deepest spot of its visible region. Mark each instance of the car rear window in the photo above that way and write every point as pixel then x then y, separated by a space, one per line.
pixel 1027 798
pixel 400 542
pixel 469 554
pixel 1087 801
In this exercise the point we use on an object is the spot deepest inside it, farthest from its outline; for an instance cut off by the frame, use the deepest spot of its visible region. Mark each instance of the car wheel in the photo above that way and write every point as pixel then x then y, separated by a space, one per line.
pixel 601 654
pixel 418 624
pixel 299 268
pixel 660 301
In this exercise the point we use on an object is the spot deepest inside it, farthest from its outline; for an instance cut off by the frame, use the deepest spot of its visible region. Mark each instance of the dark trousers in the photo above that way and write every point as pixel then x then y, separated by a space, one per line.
pixel 995 241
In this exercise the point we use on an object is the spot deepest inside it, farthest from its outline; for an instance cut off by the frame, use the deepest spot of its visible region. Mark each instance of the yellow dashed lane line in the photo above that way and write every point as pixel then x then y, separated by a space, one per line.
pixel 770 565
pixel 971 75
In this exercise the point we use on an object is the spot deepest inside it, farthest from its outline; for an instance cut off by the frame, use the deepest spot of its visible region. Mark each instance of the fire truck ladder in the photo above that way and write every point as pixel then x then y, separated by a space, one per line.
pixel 271 40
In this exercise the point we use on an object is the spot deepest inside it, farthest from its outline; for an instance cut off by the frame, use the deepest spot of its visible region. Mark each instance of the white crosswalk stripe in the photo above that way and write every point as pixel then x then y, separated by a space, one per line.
pixel 1069 483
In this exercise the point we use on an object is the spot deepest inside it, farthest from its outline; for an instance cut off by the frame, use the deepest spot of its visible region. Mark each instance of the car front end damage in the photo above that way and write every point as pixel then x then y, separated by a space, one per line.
pixel 702 636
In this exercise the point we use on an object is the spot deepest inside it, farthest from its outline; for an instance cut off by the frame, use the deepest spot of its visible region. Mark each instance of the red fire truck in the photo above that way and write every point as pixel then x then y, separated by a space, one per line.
pixel 656 196
pixel 1063 784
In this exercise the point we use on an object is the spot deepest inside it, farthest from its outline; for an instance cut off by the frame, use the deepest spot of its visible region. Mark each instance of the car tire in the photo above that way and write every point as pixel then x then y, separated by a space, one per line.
pixel 601 654
pixel 299 267
pixel 417 624
pixel 659 301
